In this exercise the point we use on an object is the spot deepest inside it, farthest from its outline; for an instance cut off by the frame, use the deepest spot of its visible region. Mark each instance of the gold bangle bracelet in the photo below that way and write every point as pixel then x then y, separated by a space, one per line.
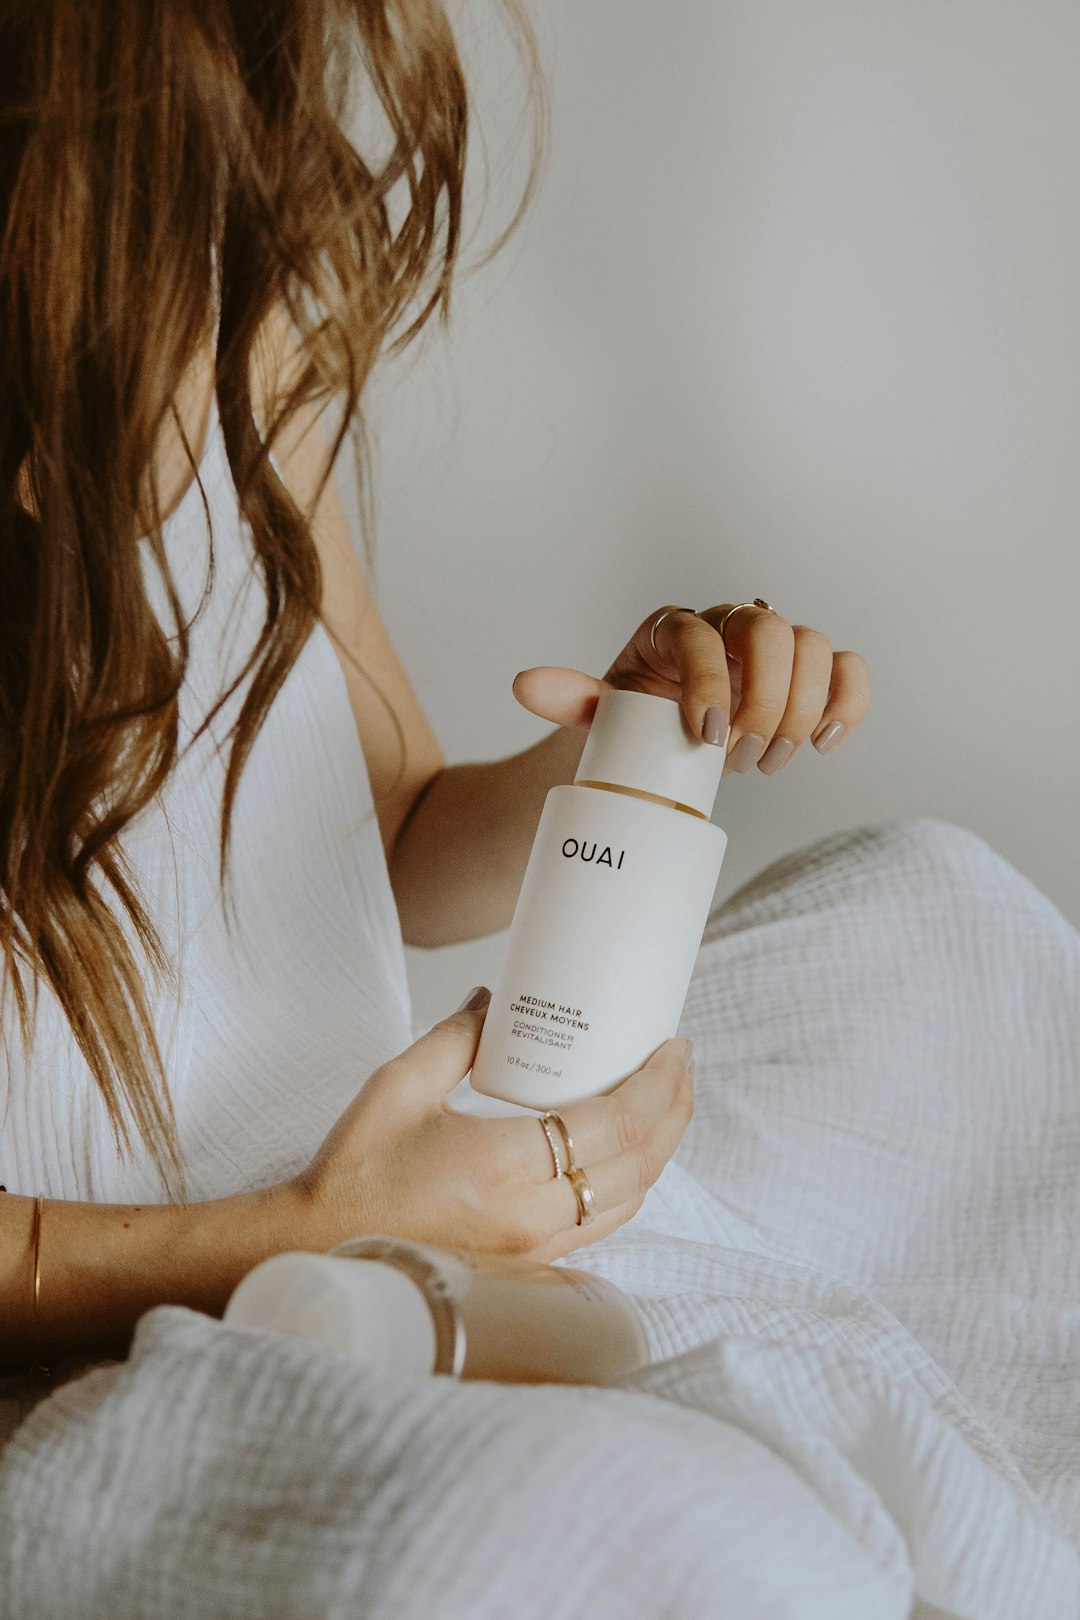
pixel 37 1369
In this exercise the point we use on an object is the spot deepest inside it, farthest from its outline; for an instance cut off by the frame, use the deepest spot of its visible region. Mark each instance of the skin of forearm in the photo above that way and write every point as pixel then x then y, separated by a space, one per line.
pixel 103 1265
pixel 459 858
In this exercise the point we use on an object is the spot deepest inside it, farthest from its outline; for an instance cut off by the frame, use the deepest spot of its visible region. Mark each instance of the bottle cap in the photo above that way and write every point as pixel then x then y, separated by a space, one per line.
pixel 368 1309
pixel 640 741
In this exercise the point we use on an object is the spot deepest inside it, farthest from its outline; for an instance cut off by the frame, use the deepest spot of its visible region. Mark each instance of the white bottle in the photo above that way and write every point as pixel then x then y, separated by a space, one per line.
pixel 612 907
pixel 416 1309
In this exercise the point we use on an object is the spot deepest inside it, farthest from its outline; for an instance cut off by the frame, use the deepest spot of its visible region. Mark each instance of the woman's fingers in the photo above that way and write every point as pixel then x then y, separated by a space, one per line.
pixel 622 1141
pixel 422 1075
pixel 627 1177
pixel 790 686
pixel 619 1184
pixel 688 646
pixel 568 1239
pixel 810 676
pixel 602 1127
pixel 847 703
pixel 762 644
pixel 566 696
pixel 759 692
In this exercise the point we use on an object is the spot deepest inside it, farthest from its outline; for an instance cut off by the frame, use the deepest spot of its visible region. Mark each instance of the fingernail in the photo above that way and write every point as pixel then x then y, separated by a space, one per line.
pixel 688 1052
pixel 774 756
pixel 746 752
pixel 829 737
pixel 477 997
pixel 690 1068
pixel 714 727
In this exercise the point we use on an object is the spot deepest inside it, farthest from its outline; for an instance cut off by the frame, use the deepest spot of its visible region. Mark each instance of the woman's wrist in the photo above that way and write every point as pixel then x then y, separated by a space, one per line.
pixel 303 1215
pixel 277 1218
pixel 103 1266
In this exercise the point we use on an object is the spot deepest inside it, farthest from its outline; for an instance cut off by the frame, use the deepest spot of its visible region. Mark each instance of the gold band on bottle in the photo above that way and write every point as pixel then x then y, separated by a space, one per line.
pixel 426 1273
pixel 641 793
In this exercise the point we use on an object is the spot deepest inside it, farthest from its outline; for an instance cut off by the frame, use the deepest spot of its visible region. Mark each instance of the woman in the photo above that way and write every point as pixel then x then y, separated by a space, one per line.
pixel 201 929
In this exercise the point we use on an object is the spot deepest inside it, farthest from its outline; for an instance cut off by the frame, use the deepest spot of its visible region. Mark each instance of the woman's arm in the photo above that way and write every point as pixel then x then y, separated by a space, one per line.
pixel 460 855
pixel 103 1265
pixel 397 1161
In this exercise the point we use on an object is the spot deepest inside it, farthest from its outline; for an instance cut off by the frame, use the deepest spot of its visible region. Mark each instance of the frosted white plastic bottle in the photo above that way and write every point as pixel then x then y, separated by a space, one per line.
pixel 612 907
pixel 416 1309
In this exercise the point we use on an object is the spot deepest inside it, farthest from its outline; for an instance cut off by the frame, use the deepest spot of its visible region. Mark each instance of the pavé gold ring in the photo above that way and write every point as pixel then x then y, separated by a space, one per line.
pixel 550 1134
pixel 546 1120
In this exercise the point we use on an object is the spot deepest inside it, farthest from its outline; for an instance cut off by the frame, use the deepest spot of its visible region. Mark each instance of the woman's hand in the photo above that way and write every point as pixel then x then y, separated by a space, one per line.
pixel 779 683
pixel 401 1161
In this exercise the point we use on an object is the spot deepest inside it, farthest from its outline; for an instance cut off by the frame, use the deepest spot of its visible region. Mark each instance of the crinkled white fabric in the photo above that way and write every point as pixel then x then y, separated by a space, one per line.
pixel 859 1276
pixel 273 1026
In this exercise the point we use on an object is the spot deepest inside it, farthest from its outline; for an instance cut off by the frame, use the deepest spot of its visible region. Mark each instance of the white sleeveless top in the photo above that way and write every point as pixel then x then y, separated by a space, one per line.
pixel 271 1029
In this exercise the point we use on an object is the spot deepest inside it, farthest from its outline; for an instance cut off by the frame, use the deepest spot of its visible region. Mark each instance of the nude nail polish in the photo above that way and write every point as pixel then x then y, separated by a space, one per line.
pixel 780 749
pixel 747 751
pixel 478 996
pixel 715 728
pixel 829 737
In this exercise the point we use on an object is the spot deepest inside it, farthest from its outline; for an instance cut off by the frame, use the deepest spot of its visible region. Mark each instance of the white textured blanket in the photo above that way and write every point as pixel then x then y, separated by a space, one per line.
pixel 860 1277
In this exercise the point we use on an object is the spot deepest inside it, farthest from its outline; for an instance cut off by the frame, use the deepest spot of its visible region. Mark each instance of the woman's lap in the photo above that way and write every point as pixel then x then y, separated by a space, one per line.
pixel 886 1026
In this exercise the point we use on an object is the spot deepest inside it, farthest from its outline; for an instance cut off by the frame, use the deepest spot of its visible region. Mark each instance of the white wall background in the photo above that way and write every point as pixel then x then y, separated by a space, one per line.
pixel 795 315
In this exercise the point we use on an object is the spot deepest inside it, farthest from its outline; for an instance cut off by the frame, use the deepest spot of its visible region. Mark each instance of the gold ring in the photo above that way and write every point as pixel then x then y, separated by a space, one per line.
pixel 586 1201
pixel 664 615
pixel 757 602
pixel 546 1128
pixel 568 1140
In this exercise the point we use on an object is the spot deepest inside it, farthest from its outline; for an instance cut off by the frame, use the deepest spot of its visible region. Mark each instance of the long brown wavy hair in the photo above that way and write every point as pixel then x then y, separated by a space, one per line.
pixel 167 166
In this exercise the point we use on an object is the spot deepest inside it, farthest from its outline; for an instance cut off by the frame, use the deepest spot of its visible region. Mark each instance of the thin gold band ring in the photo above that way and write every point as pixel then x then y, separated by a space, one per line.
pixel 757 602
pixel 586 1200
pixel 659 618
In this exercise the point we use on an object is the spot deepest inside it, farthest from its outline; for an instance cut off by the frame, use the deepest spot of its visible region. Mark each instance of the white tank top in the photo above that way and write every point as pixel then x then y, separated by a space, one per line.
pixel 272 1028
